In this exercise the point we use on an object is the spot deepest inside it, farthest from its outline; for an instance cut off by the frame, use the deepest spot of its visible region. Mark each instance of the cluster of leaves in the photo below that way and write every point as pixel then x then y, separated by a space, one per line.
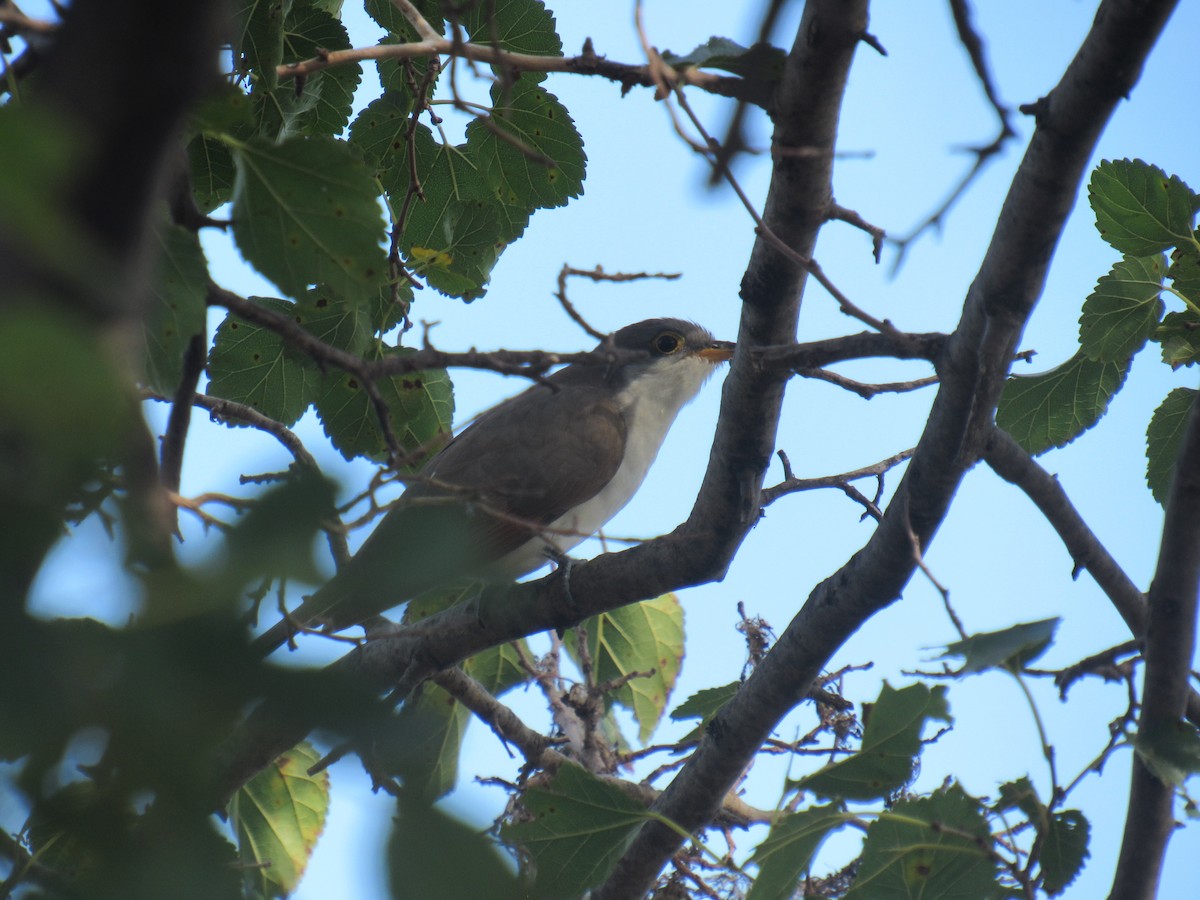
pixel 1150 218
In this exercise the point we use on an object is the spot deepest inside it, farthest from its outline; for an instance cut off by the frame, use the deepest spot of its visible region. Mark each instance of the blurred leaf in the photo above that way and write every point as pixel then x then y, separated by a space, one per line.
pixel 705 704
pixel 258 38
pixel 320 103
pixel 1123 310
pixel 517 26
pixel 1164 436
pixel 1010 649
pixel 912 851
pixel 499 668
pixel 421 406
pixel 1139 210
pixel 1184 271
pixel 433 855
pixel 580 828
pixel 890 746
pixel 423 744
pixel 787 852
pixel 1170 749
pixel 1179 335
pixel 252 365
pixel 1022 795
pixel 762 62
pixel 278 816
pixel 306 212
pixel 641 637
pixel 1064 848
pixel 211 164
pixel 1055 407
pixel 538 128
pixel 178 284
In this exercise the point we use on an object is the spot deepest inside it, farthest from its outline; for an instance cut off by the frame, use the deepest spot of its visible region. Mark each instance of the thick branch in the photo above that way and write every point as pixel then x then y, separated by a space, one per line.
pixel 1170 643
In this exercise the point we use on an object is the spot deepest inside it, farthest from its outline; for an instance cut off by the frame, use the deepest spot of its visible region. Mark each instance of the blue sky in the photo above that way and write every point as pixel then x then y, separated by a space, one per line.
pixel 646 208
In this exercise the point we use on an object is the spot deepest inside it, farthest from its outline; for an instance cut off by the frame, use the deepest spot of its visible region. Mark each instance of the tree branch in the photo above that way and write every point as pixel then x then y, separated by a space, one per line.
pixel 1170 643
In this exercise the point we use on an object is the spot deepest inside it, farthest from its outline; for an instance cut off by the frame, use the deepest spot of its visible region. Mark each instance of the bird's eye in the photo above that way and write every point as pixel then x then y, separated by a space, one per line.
pixel 667 343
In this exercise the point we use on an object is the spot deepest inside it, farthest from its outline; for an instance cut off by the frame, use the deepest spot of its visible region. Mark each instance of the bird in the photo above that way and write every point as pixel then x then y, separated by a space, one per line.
pixel 527 481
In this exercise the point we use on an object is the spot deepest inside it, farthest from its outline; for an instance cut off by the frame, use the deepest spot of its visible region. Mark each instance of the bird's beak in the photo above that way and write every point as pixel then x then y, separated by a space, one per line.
pixel 717 352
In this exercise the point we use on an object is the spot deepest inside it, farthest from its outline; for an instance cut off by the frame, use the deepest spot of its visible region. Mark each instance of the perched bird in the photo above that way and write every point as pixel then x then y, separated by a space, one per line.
pixel 528 480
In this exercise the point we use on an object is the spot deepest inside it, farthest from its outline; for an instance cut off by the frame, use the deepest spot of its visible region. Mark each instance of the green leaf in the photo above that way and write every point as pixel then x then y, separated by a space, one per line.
pixel 644 637
pixel 258 38
pixel 1022 795
pixel 278 816
pixel 252 365
pixel 424 743
pixel 517 26
pixel 761 62
pixel 890 746
pixel 1139 210
pixel 1009 649
pixel 305 212
pixel 1064 848
pixel 788 850
pixel 1179 336
pixel 386 14
pixel 1170 749
pixel 433 855
pixel 580 827
pixel 539 131
pixel 1185 272
pixel 421 406
pixel 177 313
pixel 1123 310
pixel 379 131
pixel 1164 436
pixel 212 169
pixel 320 103
pixel 917 850
pixel 705 704
pixel 499 668
pixel 1055 407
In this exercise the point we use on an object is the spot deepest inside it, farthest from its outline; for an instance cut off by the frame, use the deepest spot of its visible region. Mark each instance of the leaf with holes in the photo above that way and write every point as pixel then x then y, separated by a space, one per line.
pixel 1123 310
pixel 252 365
pixel 1055 407
pixel 890 746
pixel 178 284
pixel 1164 436
pixel 1139 209
pixel 306 212
pixel 278 816
pixel 1064 848
pixel 644 638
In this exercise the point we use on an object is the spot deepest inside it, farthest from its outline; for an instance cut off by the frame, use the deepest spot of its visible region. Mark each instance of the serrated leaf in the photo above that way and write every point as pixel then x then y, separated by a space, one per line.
pixel 306 212
pixel 890 746
pixel 644 637
pixel 1179 337
pixel 320 103
pixel 379 131
pixel 212 170
pixel 1139 209
pixel 1022 795
pixel 517 26
pixel 1170 749
pixel 706 703
pixel 389 16
pixel 1123 310
pixel 1010 648
pixel 1064 848
pixel 278 816
pixel 539 129
pixel 421 406
pixel 787 852
pixel 351 326
pixel 258 38
pixel 580 828
pixel 1055 407
pixel 431 854
pixel 178 287
pixel 761 62
pixel 1164 436
pixel 906 856
pixel 425 741
pixel 499 668
pixel 252 365
pixel 1184 272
